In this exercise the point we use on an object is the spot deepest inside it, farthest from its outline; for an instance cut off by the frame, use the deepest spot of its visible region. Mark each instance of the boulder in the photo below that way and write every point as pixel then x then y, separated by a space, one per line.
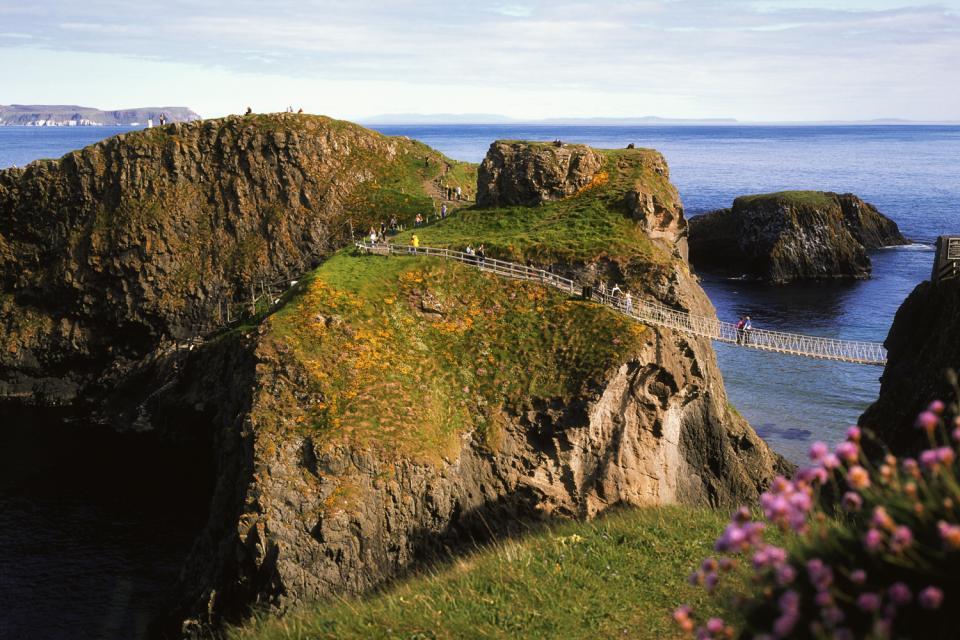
pixel 530 173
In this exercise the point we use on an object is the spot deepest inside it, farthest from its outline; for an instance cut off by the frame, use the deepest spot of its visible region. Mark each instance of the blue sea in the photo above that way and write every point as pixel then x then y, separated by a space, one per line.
pixel 96 568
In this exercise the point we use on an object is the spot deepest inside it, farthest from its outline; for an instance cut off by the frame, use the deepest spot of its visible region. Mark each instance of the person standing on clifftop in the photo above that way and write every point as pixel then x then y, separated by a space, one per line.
pixel 459 193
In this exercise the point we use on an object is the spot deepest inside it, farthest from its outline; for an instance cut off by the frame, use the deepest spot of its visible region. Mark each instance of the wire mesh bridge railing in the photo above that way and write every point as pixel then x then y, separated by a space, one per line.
pixel 657 314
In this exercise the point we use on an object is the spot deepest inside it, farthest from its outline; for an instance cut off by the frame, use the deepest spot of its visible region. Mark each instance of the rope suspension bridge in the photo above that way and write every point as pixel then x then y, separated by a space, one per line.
pixel 654 313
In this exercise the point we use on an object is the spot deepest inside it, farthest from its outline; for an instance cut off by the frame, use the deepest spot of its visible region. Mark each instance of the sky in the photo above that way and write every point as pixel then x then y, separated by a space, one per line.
pixel 754 60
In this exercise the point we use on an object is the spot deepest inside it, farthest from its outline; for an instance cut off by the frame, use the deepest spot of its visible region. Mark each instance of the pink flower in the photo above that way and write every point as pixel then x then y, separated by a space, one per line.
pixel 930 598
pixel 945 455
pixel 853 434
pixel 858 576
pixel 848 451
pixel 710 581
pixel 868 602
pixel 901 539
pixel 830 461
pixel 858 477
pixel 899 593
pixel 927 421
pixel 950 534
pixel 789 601
pixel 929 459
pixel 852 501
pixel 872 540
pixel 785 575
pixel 715 625
pixel 783 626
pixel 936 407
pixel 818 450
pixel 881 519
pixel 823 599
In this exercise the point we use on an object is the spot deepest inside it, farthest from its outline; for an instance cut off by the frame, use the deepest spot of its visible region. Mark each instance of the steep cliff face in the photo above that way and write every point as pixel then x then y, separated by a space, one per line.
pixel 116 248
pixel 397 406
pixel 528 174
pixel 792 235
pixel 922 347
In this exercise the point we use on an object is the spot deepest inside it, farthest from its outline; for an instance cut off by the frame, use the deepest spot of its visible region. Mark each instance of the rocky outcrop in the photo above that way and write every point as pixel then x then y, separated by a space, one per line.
pixel 366 423
pixel 303 513
pixel 114 250
pixel 300 516
pixel 791 235
pixel 529 174
pixel 922 347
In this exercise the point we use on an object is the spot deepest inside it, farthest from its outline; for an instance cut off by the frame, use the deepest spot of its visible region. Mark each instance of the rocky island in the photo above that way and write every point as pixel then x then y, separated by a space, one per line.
pixel 382 407
pixel 791 235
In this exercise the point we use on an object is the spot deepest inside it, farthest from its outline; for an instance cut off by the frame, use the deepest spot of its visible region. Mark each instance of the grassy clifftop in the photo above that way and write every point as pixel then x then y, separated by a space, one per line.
pixel 587 226
pixel 408 353
pixel 405 354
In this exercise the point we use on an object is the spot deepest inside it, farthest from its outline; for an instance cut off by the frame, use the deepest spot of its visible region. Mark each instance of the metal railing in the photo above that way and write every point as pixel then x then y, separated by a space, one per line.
pixel 655 313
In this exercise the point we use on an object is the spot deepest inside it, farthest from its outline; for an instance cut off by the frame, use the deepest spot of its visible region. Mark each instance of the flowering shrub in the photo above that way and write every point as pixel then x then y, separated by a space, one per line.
pixel 879 559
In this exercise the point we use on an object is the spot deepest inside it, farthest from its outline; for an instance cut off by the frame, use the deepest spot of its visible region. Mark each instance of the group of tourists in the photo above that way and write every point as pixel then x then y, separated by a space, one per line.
pixel 478 255
pixel 453 193
pixel 620 297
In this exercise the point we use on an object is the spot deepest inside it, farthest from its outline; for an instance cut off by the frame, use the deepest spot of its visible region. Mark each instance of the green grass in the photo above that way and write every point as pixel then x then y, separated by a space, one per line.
pixel 590 225
pixel 619 576
pixel 403 353
pixel 812 199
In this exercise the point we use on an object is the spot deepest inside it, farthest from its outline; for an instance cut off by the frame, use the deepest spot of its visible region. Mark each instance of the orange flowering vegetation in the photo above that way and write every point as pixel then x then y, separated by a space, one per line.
pixel 416 352
pixel 601 178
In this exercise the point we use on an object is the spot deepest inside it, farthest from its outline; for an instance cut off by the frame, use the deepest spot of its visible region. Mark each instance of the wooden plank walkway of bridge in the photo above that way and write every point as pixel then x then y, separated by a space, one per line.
pixel 654 313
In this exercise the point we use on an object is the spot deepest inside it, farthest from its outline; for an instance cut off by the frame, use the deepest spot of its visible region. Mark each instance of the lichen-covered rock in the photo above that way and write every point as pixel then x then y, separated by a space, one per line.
pixel 791 235
pixel 144 237
pixel 922 346
pixel 530 173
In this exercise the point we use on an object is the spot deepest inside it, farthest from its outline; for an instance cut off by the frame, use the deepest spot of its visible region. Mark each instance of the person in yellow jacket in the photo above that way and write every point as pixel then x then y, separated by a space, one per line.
pixel 414 241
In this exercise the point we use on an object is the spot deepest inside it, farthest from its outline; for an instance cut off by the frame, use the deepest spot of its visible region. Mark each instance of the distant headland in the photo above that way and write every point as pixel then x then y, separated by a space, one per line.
pixel 59 115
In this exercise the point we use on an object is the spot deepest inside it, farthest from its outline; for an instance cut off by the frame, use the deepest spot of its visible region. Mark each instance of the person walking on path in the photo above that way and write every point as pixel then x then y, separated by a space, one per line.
pixel 443 211
pixel 415 243
pixel 418 220
pixel 747 326
pixel 628 303
pixel 459 193
pixel 602 287
pixel 481 255
pixel 373 236
pixel 740 324
pixel 615 291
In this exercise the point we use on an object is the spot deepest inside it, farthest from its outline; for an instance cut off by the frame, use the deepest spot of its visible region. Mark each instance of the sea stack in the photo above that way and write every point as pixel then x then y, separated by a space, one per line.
pixel 791 235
